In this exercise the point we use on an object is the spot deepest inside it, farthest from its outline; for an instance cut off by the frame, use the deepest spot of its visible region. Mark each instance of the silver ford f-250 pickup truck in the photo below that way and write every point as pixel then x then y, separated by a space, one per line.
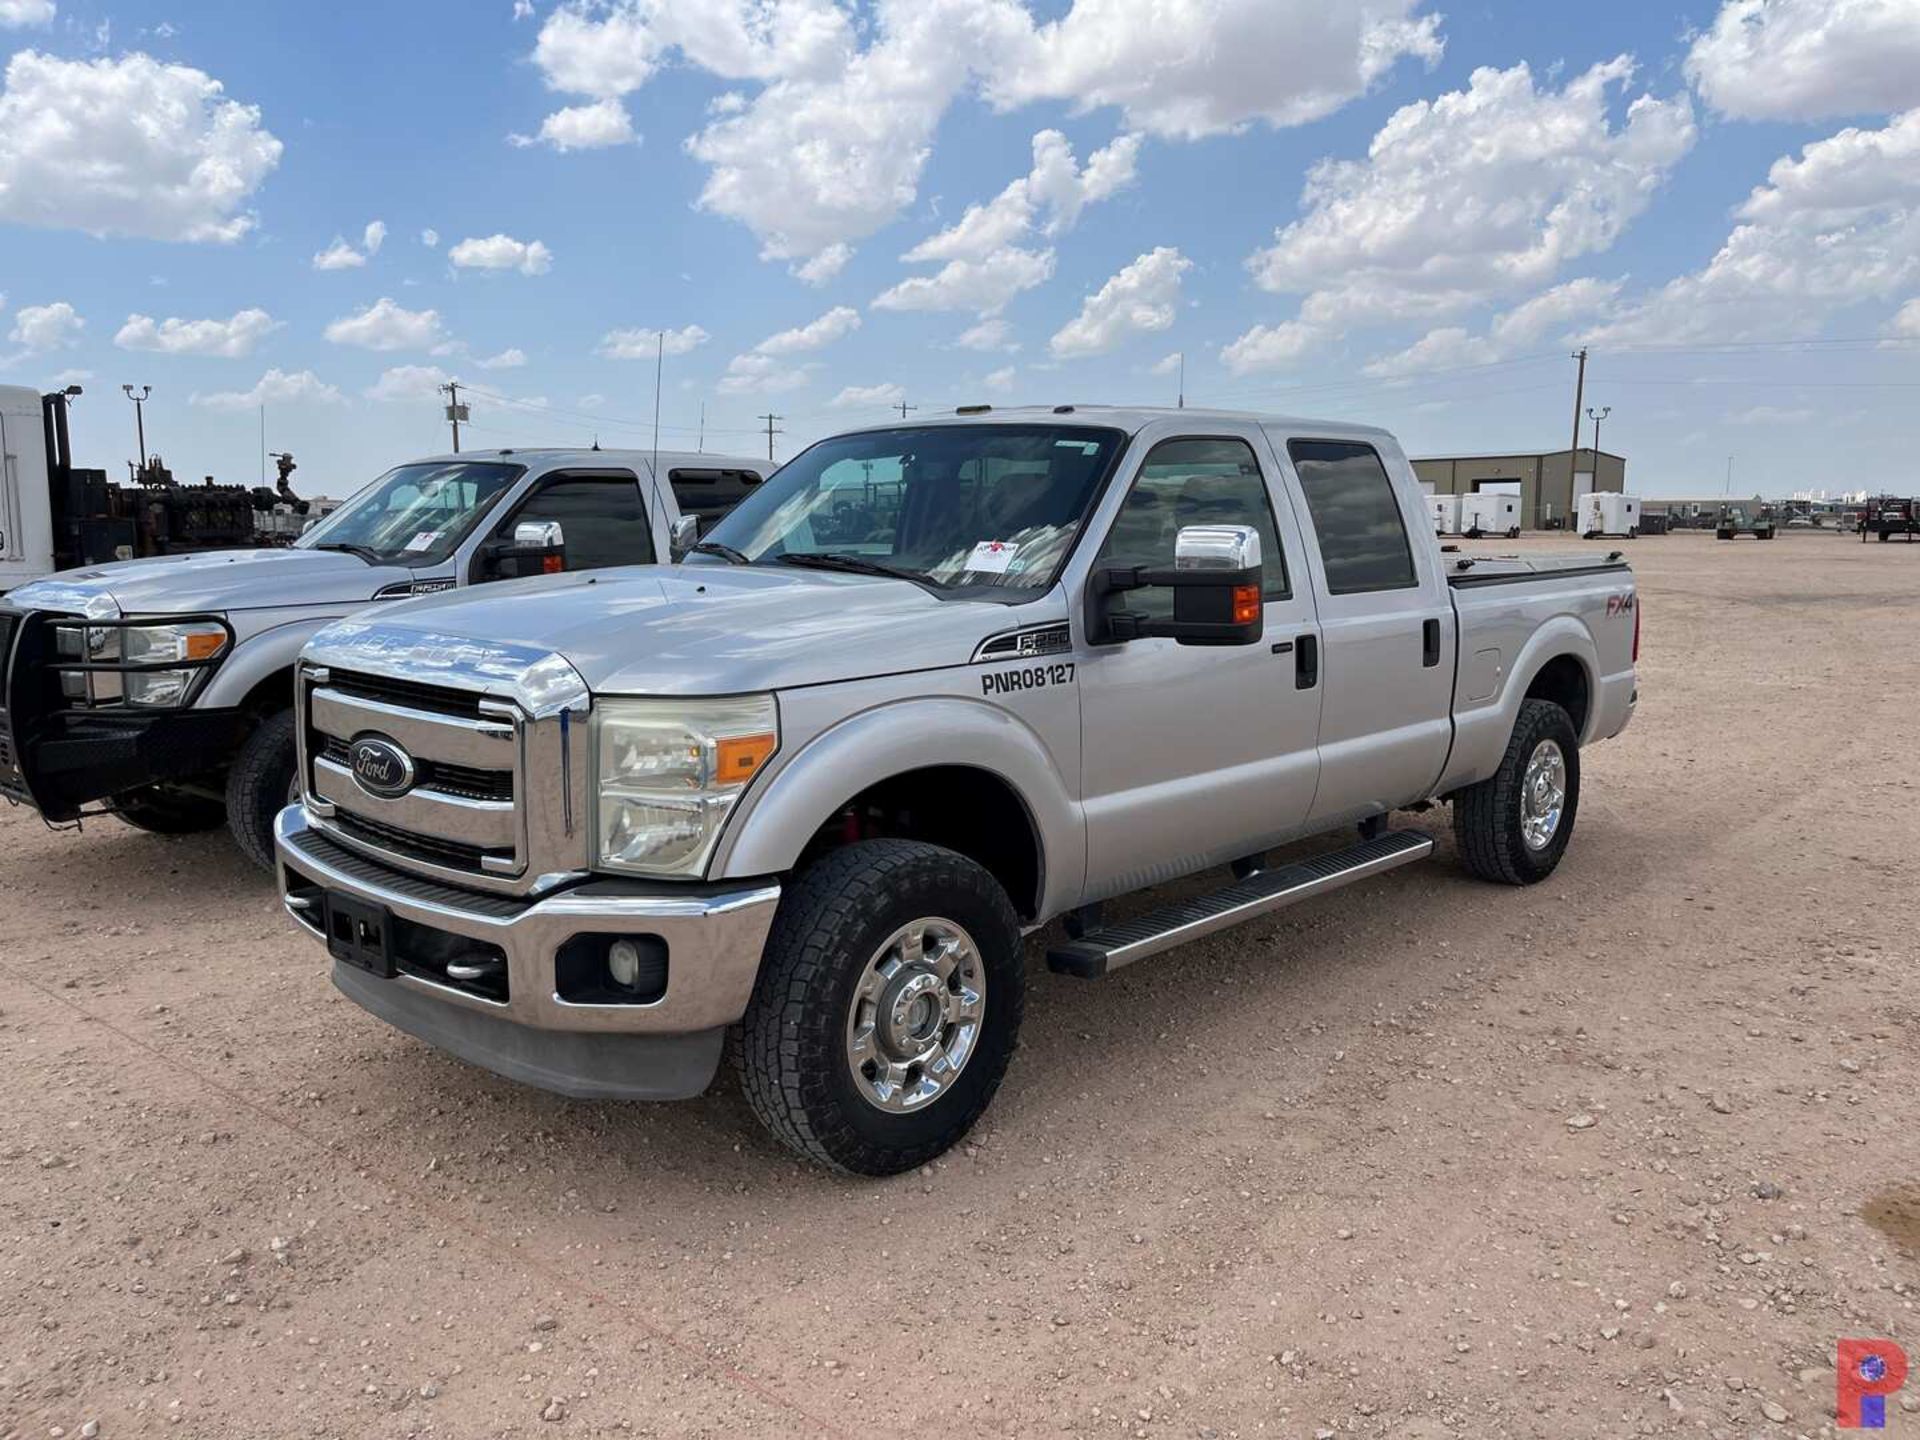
pixel 162 689
pixel 931 687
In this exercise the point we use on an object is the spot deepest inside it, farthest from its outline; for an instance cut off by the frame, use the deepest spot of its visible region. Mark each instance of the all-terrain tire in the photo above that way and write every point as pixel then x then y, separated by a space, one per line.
pixel 168 812
pixel 793 1039
pixel 1487 816
pixel 260 786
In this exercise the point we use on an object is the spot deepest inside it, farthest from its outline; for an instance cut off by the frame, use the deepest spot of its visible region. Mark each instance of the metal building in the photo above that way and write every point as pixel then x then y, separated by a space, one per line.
pixel 1547 483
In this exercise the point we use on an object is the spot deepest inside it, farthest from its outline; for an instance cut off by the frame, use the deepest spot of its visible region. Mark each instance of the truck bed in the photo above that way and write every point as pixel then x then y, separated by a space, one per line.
pixel 1467 570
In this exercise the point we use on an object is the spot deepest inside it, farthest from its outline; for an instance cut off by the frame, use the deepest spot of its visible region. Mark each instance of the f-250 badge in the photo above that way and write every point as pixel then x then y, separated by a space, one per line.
pixel 1027 677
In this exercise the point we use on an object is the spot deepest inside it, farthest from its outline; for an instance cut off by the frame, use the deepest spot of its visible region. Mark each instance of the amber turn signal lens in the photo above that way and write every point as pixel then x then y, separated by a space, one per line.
pixel 1246 604
pixel 202 645
pixel 738 757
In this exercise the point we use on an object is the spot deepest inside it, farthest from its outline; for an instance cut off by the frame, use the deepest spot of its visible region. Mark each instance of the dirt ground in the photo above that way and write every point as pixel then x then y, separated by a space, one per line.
pixel 1620 1155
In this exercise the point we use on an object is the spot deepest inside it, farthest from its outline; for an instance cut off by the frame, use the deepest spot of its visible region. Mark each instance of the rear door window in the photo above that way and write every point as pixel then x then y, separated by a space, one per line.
pixel 1356 516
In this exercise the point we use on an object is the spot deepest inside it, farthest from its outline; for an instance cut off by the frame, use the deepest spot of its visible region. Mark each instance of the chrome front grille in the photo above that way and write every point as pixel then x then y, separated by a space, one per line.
pixel 493 789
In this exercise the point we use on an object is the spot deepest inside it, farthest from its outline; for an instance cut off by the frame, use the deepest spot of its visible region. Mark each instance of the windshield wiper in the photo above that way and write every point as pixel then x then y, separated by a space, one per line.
pixel 365 552
pixel 725 552
pixel 852 564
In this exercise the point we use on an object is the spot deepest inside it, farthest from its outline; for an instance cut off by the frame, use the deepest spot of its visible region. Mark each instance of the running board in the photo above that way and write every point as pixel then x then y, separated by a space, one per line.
pixel 1108 948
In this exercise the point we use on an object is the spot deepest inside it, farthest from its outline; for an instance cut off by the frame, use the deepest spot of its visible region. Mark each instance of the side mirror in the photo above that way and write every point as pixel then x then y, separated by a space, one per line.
pixel 1216 587
pixel 686 530
pixel 538 547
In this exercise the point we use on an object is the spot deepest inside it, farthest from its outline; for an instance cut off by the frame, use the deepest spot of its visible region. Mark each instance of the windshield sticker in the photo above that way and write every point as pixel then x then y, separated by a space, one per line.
pixel 424 540
pixel 992 557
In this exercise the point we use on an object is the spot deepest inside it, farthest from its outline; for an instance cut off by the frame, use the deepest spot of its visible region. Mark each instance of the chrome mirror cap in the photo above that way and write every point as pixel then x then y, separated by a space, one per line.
pixel 1216 547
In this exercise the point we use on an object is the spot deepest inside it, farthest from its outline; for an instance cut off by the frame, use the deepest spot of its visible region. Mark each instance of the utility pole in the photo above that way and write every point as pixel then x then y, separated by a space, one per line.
pixel 771 432
pixel 263 443
pixel 1596 416
pixel 139 420
pixel 1181 402
pixel 903 407
pixel 456 412
pixel 700 447
pixel 1729 489
pixel 1579 395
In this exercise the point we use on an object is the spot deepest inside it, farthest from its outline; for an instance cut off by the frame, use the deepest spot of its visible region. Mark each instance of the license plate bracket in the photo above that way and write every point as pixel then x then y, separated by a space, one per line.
pixel 360 934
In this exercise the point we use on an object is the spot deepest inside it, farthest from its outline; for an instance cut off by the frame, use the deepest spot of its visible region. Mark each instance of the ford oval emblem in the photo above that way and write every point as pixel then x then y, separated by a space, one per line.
pixel 380 767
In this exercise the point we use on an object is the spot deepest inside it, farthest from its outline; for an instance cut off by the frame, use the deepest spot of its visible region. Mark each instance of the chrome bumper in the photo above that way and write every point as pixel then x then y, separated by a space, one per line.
pixel 714 940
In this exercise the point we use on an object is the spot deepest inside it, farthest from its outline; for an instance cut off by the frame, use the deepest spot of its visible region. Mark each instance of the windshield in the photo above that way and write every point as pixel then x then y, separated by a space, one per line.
pixel 414 514
pixel 973 507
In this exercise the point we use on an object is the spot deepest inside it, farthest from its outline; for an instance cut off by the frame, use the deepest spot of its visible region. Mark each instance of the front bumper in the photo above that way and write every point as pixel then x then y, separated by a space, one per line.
pixel 667 1048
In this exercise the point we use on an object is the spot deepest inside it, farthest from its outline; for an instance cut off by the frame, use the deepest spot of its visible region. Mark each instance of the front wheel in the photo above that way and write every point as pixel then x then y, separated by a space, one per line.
pixel 1513 827
pixel 260 785
pixel 887 1008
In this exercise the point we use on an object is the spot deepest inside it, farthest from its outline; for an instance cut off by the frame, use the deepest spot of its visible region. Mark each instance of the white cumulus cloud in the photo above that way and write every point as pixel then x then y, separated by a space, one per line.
pixel 502 252
pixel 868 396
pixel 511 358
pixel 18 14
pixel 643 344
pixel 1838 225
pixel 1551 312
pixel 128 146
pixel 1137 300
pixel 46 327
pixel 753 373
pixel 989 251
pixel 831 147
pixel 407 382
pixel 1809 59
pixel 594 126
pixel 1479 194
pixel 1906 324
pixel 993 333
pixel 341 255
pixel 836 324
pixel 276 387
pixel 387 325
pixel 231 338
pixel 430 238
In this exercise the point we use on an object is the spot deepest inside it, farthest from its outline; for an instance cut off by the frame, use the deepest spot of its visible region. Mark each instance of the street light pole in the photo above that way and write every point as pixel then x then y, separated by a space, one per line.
pixel 1597 416
pixel 139 421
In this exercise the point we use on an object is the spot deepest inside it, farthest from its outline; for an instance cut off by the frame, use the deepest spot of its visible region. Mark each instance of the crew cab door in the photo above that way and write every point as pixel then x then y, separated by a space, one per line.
pixel 1386 621
pixel 1193 755
pixel 602 515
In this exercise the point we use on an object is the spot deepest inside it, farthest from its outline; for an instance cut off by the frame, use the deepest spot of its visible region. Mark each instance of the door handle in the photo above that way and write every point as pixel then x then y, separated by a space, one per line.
pixel 1306 662
pixel 1430 643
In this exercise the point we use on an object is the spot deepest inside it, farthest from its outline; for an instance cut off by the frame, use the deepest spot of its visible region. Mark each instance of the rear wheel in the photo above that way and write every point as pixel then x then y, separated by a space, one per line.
pixel 260 785
pixel 1513 827
pixel 160 811
pixel 887 1008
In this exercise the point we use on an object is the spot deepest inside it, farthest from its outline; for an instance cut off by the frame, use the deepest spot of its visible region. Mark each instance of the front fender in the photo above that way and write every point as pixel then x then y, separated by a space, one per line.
pixel 768 833
pixel 261 655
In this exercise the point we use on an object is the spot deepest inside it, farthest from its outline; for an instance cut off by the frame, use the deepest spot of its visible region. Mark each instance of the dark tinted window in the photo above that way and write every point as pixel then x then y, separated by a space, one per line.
pixel 709 494
pixel 1363 540
pixel 602 517
pixel 1193 482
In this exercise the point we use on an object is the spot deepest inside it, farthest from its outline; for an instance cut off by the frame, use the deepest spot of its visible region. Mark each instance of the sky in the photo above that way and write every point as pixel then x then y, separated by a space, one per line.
pixel 1394 211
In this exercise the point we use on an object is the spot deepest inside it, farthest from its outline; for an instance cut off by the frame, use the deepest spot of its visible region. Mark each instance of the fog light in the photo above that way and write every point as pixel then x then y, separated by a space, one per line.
pixel 623 963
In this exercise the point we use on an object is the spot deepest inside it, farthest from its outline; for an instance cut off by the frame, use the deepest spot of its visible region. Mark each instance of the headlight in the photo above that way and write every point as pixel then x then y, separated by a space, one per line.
pixel 137 645
pixel 666 774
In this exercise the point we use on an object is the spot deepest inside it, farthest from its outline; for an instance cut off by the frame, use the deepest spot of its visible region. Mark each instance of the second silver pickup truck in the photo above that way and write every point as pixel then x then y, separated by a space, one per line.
pixel 928 689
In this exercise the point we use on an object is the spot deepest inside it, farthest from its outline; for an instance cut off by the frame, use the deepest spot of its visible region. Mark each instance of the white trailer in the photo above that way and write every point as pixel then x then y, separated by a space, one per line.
pixel 1608 515
pixel 1490 512
pixel 1444 511
pixel 26 513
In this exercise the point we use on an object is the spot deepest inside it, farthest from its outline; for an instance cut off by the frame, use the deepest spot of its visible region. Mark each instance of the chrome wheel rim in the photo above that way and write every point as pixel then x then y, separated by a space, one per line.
pixel 1543 795
pixel 916 1015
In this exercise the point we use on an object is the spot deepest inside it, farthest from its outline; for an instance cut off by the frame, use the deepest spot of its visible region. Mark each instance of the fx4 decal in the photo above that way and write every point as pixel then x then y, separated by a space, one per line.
pixel 1619 605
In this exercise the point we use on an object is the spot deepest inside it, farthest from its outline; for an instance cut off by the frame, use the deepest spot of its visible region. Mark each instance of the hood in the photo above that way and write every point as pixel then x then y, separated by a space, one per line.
pixel 213 580
pixel 715 629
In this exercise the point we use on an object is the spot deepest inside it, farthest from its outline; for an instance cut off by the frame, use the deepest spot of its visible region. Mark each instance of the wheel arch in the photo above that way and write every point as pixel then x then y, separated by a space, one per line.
pixel 971 777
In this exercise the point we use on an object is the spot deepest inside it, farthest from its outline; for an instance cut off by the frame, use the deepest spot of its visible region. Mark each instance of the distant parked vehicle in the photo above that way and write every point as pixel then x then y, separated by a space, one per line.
pixel 1889 516
pixel 1737 520
pixel 1609 515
